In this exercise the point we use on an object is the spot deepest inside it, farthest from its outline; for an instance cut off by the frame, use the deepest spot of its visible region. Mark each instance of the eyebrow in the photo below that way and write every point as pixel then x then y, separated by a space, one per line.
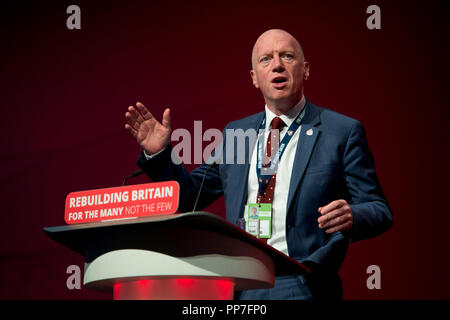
pixel 287 51
pixel 279 52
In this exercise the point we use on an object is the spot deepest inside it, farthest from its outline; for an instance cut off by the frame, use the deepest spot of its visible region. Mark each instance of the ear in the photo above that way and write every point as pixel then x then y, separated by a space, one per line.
pixel 255 80
pixel 307 69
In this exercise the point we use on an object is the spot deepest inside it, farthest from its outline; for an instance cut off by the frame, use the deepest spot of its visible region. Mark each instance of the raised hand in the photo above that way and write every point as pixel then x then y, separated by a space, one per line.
pixel 152 135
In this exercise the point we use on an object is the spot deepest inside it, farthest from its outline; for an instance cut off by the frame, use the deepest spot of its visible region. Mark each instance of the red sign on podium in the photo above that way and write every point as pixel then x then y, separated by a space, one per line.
pixel 122 202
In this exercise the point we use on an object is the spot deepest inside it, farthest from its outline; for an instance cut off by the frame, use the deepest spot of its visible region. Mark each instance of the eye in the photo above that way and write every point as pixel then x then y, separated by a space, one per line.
pixel 287 56
pixel 264 59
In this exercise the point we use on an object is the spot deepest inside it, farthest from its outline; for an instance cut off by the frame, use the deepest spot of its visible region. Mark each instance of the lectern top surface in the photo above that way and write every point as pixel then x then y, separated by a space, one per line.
pixel 76 236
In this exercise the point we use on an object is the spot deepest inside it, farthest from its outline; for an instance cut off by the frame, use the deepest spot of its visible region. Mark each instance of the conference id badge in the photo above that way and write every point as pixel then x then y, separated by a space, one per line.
pixel 260 220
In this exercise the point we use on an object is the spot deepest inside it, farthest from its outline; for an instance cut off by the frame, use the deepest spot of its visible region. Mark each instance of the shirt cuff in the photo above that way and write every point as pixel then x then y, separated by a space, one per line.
pixel 148 157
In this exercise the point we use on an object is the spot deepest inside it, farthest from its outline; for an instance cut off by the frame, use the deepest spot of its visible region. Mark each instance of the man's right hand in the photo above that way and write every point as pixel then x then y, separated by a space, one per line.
pixel 151 135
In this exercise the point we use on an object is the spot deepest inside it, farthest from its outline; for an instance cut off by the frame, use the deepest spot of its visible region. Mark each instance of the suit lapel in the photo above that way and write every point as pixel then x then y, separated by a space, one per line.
pixel 307 139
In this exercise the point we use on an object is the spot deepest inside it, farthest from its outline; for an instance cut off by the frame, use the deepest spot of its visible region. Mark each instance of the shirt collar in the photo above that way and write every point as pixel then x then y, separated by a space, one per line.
pixel 287 117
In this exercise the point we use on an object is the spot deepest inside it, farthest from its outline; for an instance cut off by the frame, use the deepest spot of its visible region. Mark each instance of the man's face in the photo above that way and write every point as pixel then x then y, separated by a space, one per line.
pixel 279 69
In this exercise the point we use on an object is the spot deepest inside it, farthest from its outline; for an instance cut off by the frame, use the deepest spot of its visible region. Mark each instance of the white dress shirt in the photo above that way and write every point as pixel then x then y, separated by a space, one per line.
pixel 283 178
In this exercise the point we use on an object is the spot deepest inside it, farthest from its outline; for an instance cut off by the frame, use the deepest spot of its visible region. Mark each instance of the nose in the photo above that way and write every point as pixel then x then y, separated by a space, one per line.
pixel 278 65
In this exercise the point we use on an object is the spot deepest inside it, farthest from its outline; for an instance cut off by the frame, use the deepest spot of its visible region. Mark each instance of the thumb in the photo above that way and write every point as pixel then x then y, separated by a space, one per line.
pixel 166 121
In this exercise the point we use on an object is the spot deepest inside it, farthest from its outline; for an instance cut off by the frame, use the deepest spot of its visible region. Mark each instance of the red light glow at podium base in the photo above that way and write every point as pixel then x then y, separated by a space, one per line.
pixel 175 289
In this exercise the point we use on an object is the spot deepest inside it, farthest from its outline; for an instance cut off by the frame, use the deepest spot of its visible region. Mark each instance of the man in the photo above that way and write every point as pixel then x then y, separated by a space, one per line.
pixel 324 192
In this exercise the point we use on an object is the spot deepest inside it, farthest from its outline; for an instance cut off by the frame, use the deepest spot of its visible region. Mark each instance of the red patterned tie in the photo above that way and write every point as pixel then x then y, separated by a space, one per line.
pixel 275 128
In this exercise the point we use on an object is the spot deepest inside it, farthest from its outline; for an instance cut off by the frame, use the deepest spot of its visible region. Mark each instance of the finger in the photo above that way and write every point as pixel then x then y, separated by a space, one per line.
pixel 332 205
pixel 323 220
pixel 131 130
pixel 344 227
pixel 166 120
pixel 135 114
pixel 132 114
pixel 337 221
pixel 132 121
pixel 143 111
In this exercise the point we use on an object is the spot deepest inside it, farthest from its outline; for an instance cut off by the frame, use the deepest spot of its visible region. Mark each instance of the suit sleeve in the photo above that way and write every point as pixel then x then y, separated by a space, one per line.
pixel 162 168
pixel 371 212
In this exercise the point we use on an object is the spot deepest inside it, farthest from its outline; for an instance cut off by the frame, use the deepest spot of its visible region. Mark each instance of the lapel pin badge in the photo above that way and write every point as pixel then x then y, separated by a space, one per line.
pixel 309 132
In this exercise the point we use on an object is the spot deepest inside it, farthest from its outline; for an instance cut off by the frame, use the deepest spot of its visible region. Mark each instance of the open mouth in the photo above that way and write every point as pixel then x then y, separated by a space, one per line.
pixel 279 82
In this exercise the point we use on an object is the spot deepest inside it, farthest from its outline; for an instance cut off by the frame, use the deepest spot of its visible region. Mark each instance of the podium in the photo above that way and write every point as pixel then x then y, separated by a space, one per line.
pixel 189 256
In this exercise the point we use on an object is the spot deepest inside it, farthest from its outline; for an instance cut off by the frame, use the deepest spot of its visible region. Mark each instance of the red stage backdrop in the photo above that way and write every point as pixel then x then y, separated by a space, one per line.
pixel 64 94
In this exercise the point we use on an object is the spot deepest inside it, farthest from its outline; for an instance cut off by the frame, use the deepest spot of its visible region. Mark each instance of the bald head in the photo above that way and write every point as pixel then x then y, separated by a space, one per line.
pixel 279 70
pixel 273 35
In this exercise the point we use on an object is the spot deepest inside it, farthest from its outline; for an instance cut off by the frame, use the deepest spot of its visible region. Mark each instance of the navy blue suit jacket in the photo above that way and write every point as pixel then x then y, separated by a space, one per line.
pixel 333 163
